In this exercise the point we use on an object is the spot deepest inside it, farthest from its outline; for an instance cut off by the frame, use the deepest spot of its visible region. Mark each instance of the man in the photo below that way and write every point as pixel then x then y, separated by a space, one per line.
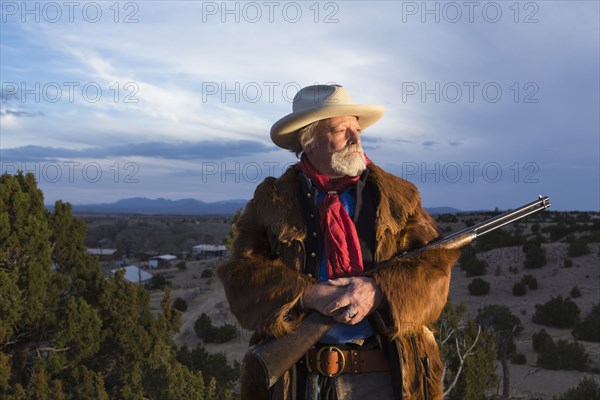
pixel 306 243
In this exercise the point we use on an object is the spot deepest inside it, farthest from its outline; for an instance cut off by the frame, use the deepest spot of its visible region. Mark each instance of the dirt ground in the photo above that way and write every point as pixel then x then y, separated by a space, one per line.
pixel 202 295
pixel 529 381
pixel 206 295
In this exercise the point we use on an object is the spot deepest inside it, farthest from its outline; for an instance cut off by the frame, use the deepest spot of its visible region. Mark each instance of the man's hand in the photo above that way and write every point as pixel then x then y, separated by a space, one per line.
pixel 343 297
pixel 319 296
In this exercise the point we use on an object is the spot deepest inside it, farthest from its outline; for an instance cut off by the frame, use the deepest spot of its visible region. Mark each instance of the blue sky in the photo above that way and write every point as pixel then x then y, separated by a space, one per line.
pixel 488 104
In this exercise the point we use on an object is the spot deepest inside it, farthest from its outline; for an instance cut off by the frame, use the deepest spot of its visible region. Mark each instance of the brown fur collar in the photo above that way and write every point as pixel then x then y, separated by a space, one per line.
pixel 278 206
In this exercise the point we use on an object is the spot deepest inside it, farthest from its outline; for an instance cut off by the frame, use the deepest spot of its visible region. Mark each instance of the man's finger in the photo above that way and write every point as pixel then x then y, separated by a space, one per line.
pixel 339 282
pixel 337 304
pixel 344 318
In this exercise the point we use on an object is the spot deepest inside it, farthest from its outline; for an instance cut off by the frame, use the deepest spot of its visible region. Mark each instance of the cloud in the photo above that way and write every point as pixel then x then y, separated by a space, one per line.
pixel 12 95
pixel 170 151
pixel 402 141
pixel 15 113
pixel 429 143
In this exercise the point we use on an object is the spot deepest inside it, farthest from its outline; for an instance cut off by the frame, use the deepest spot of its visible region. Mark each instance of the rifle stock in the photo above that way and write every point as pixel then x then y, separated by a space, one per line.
pixel 276 356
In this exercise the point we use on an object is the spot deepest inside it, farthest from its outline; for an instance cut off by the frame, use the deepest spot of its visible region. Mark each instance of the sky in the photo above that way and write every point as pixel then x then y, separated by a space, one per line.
pixel 488 103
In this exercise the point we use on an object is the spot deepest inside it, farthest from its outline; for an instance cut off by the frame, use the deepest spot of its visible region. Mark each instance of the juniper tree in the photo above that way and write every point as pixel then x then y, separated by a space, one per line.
pixel 233 232
pixel 65 331
pixel 500 321
pixel 469 354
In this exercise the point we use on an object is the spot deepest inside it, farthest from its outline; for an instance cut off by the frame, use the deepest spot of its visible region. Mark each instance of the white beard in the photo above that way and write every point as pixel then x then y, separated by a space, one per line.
pixel 349 164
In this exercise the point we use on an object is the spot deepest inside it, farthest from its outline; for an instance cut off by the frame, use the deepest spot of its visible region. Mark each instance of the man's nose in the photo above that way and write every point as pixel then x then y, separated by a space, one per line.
pixel 353 136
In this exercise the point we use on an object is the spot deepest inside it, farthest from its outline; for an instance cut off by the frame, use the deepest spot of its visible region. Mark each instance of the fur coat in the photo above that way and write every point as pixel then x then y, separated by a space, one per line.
pixel 263 290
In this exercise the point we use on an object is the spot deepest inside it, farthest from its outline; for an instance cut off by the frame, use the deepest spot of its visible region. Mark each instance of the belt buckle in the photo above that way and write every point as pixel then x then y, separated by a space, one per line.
pixel 341 359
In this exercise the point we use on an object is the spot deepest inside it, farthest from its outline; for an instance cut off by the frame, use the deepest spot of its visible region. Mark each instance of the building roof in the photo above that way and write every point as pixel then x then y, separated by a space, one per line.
pixel 97 251
pixel 165 257
pixel 134 274
pixel 210 247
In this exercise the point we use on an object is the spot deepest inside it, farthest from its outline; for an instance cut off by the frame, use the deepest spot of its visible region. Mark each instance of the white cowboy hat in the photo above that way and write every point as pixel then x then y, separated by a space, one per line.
pixel 317 102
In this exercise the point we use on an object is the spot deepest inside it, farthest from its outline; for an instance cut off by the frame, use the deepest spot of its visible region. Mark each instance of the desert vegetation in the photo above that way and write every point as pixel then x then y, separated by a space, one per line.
pixel 524 303
pixel 67 331
pixel 546 269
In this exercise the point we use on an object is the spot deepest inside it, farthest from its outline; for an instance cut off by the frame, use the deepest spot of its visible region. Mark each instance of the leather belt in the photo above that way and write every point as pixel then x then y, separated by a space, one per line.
pixel 333 361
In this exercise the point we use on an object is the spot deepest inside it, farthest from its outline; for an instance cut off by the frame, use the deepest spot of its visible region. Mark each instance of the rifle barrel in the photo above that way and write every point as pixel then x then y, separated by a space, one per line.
pixel 500 220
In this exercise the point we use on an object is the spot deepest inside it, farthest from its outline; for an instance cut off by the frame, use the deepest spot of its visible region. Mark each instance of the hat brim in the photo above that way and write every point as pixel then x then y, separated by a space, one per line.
pixel 284 133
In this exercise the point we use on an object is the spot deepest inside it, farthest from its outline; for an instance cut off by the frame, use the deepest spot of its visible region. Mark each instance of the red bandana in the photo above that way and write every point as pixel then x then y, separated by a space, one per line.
pixel 344 257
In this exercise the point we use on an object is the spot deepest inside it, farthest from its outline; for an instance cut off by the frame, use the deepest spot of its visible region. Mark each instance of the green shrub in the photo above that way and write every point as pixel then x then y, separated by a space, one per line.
pixel 212 365
pixel 498 238
pixel 204 328
pixel 470 222
pixel 558 231
pixel 563 355
pixel 214 334
pixel 535 255
pixel 159 281
pixel 589 328
pixel 225 333
pixel 575 292
pixel 587 389
pixel 475 267
pixel 557 312
pixel 559 355
pixel 519 289
pixel 207 273
pixel 594 236
pixel 180 304
pixel 578 248
pixel 449 218
pixel 541 339
pixel 479 287
pixel 573 356
pixel 472 265
pixel 181 266
pixel 519 359
pixel 568 263
pixel 530 281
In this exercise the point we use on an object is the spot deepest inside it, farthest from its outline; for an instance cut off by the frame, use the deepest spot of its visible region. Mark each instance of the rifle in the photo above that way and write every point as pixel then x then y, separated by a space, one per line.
pixel 276 356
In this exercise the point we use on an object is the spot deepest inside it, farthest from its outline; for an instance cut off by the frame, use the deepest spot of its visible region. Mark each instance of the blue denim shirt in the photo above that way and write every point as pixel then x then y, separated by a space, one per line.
pixel 342 333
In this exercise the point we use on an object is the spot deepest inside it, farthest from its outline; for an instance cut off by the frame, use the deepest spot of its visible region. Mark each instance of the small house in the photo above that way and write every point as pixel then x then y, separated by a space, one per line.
pixel 111 255
pixel 163 261
pixel 209 251
pixel 135 274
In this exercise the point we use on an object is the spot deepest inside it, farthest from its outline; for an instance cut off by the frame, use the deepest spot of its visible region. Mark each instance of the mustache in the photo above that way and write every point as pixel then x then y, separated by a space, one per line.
pixel 350 148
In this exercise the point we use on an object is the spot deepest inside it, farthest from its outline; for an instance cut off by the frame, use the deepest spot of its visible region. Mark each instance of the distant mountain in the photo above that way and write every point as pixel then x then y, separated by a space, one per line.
pixel 442 210
pixel 160 206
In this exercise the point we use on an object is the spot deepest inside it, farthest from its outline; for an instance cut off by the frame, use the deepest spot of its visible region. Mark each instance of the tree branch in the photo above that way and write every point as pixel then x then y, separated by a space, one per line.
pixel 462 359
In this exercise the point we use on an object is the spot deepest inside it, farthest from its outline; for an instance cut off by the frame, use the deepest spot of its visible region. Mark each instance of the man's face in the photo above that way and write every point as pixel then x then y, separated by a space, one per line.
pixel 336 150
